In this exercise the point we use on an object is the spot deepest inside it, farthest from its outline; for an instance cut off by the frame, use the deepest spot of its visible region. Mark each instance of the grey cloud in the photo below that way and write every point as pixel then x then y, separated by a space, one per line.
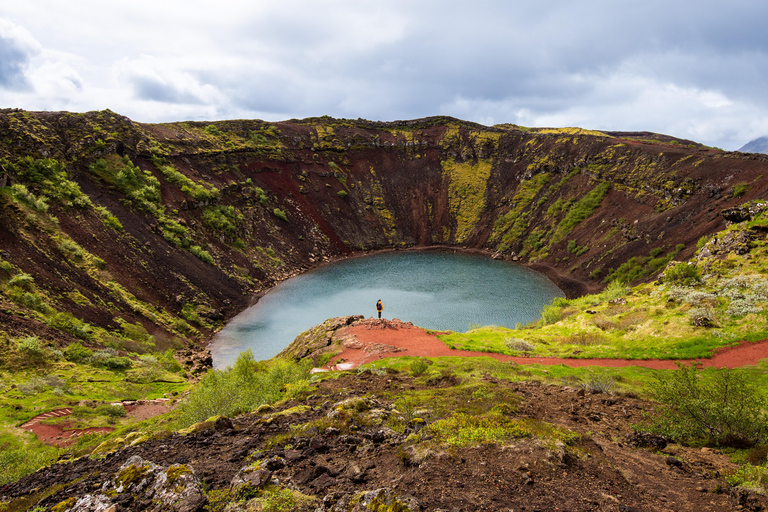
pixel 155 89
pixel 13 60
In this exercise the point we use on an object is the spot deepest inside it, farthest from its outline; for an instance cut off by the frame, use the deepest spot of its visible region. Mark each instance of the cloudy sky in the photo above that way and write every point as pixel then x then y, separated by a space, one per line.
pixel 695 69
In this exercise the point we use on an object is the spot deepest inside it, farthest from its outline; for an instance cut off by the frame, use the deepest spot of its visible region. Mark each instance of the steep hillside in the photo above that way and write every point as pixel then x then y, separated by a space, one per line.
pixel 108 225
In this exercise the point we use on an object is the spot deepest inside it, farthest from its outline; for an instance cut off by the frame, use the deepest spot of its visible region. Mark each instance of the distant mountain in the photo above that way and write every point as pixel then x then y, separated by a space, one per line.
pixel 759 145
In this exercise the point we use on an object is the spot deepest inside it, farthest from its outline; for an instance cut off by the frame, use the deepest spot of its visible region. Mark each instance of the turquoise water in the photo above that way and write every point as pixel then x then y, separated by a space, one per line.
pixel 435 290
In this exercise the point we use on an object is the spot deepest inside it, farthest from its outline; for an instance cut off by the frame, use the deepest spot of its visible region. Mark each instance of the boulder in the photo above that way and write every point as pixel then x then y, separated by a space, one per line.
pixel 249 479
pixel 175 488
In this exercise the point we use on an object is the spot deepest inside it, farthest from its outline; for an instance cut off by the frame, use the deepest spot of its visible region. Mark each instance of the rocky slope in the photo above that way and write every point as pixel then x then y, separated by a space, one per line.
pixel 175 227
pixel 336 451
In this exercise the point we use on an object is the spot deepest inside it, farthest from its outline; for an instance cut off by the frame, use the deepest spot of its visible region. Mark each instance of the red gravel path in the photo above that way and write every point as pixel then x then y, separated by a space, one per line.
pixel 374 339
pixel 60 435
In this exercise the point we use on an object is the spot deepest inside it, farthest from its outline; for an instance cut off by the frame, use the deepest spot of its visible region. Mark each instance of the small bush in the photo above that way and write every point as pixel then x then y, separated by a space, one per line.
pixel 36 302
pixel 65 321
pixel 112 411
pixel 740 189
pixel 212 130
pixel 238 389
pixel 597 382
pixel 201 254
pixel 518 345
pixel 419 366
pixel 117 363
pixel 112 222
pixel 77 353
pixel 22 281
pixel 748 476
pixel 722 408
pixel 31 349
pixel 280 214
pixel 682 274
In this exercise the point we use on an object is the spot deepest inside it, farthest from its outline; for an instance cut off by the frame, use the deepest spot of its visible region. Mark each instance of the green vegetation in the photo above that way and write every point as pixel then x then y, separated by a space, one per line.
pixel 239 389
pixel 511 226
pixel 466 193
pixel 280 214
pixel 715 407
pixel 47 177
pixel 740 189
pixel 195 190
pixel 36 377
pixel 580 211
pixel 639 267
pixel 223 219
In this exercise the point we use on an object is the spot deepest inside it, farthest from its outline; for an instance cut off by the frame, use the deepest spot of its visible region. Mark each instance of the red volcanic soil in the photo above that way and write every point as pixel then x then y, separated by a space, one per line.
pixel 60 434
pixel 375 339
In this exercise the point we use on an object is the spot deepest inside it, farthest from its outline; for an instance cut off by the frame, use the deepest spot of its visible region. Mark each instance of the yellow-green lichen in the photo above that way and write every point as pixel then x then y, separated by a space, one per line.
pixel 132 475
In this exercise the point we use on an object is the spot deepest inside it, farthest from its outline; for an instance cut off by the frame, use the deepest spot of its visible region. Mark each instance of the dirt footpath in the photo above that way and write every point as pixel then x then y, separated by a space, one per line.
pixel 375 339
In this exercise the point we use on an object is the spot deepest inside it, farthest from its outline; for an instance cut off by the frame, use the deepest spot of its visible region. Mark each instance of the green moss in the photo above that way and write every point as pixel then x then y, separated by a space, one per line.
pixel 466 194
pixel 581 210
pixel 65 505
pixel 132 475
pixel 177 471
pixel 511 226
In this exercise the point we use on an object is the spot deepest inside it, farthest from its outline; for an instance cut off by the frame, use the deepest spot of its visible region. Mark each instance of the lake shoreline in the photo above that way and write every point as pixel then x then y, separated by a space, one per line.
pixel 224 343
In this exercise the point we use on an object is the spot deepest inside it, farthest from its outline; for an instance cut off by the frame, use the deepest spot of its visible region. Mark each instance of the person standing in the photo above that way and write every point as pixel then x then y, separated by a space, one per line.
pixel 379 307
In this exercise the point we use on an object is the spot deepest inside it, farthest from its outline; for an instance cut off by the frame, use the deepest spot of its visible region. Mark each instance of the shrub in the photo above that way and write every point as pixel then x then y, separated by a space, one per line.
pixel 518 345
pixel 103 354
pixel 23 281
pixel 31 348
pixel 342 194
pixel 615 290
pixel 112 222
pixel 280 214
pixel 117 363
pixel 597 382
pixel 552 313
pixel 238 389
pixel 201 254
pixel 65 321
pixel 36 302
pixel 682 274
pixel 749 477
pixel 112 411
pixel 212 130
pixel 740 189
pixel 419 366
pixel 722 408
pixel 222 219
pixel 77 353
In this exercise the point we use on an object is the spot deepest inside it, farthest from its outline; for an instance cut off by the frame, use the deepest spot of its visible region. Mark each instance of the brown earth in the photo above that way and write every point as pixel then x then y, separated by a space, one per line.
pixel 375 339
pixel 602 471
